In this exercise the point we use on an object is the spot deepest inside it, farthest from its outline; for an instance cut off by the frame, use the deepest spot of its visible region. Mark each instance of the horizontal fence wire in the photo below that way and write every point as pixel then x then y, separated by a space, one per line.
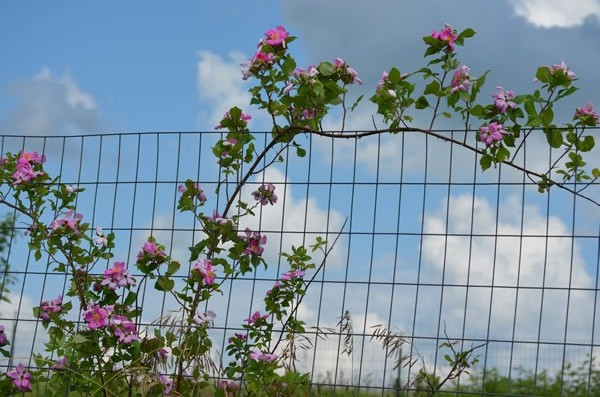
pixel 430 250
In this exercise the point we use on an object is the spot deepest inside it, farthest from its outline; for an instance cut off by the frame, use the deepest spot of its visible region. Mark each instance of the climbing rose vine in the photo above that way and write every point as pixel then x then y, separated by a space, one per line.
pixel 96 344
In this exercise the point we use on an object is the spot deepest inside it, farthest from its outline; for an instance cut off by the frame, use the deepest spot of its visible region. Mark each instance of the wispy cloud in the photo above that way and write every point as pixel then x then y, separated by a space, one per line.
pixel 219 83
pixel 556 13
pixel 52 105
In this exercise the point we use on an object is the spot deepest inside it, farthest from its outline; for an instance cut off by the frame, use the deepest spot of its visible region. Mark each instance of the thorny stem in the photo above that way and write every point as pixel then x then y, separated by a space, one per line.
pixel 532 128
pixel 587 185
pixel 271 113
pixel 467 121
pixel 343 99
pixel 400 115
pixel 299 301
pixel 250 172
pixel 210 253
pixel 76 278
pixel 101 370
pixel 295 309
pixel 230 202
pixel 274 159
pixel 510 163
pixel 564 153
pixel 16 208
pixel 439 99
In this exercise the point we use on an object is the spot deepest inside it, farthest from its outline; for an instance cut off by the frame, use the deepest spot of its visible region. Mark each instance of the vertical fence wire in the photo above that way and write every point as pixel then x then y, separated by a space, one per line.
pixel 591 353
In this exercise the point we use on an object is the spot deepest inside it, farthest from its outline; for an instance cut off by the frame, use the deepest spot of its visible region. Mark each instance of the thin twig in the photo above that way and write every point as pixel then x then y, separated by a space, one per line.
pixel 295 309
pixel 439 99
pixel 532 128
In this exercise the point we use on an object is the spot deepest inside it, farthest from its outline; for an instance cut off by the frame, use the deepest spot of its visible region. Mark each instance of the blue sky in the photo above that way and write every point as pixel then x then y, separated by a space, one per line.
pixel 75 68
pixel 136 59
pixel 137 62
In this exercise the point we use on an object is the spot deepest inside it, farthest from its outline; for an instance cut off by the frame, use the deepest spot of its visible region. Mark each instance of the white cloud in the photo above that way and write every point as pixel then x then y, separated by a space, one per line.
pixel 21 333
pixel 300 215
pixel 329 353
pixel 556 264
pixel 52 105
pixel 74 96
pixel 556 13
pixel 270 219
pixel 529 262
pixel 219 82
pixel 460 260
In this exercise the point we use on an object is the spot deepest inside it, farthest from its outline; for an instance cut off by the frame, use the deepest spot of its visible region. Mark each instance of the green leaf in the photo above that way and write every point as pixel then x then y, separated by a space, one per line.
pixel 326 69
pixel 289 65
pixel 151 345
pixel 421 103
pixel 164 284
pixel 534 122
pixel 66 307
pixel 432 88
pixel 468 32
pixel 435 61
pixel 431 41
pixel 172 268
pixel 355 104
pixel 79 339
pixel 576 161
pixel 426 72
pixel 586 144
pixel 477 86
pixel 509 140
pixel 554 137
pixel 477 111
pixel 300 152
pixel 131 296
pixel 530 109
pixel 235 113
pixel 431 51
pixel 485 161
pixel 543 74
pixel 394 76
pixel 563 93
pixel 502 153
pixel 517 113
pixel 547 116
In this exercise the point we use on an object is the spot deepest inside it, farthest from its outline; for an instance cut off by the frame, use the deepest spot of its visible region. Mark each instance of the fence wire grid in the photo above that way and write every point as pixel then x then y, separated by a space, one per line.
pixel 429 247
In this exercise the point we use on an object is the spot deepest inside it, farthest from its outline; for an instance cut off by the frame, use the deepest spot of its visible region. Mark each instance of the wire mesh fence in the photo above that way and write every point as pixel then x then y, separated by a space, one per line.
pixel 429 250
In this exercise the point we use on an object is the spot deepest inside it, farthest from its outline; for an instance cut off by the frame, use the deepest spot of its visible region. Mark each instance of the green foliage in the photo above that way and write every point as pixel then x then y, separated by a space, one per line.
pixel 7 237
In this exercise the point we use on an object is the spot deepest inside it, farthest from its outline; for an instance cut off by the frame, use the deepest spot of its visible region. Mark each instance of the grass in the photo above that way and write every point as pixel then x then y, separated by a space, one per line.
pixel 577 381
pixel 583 380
